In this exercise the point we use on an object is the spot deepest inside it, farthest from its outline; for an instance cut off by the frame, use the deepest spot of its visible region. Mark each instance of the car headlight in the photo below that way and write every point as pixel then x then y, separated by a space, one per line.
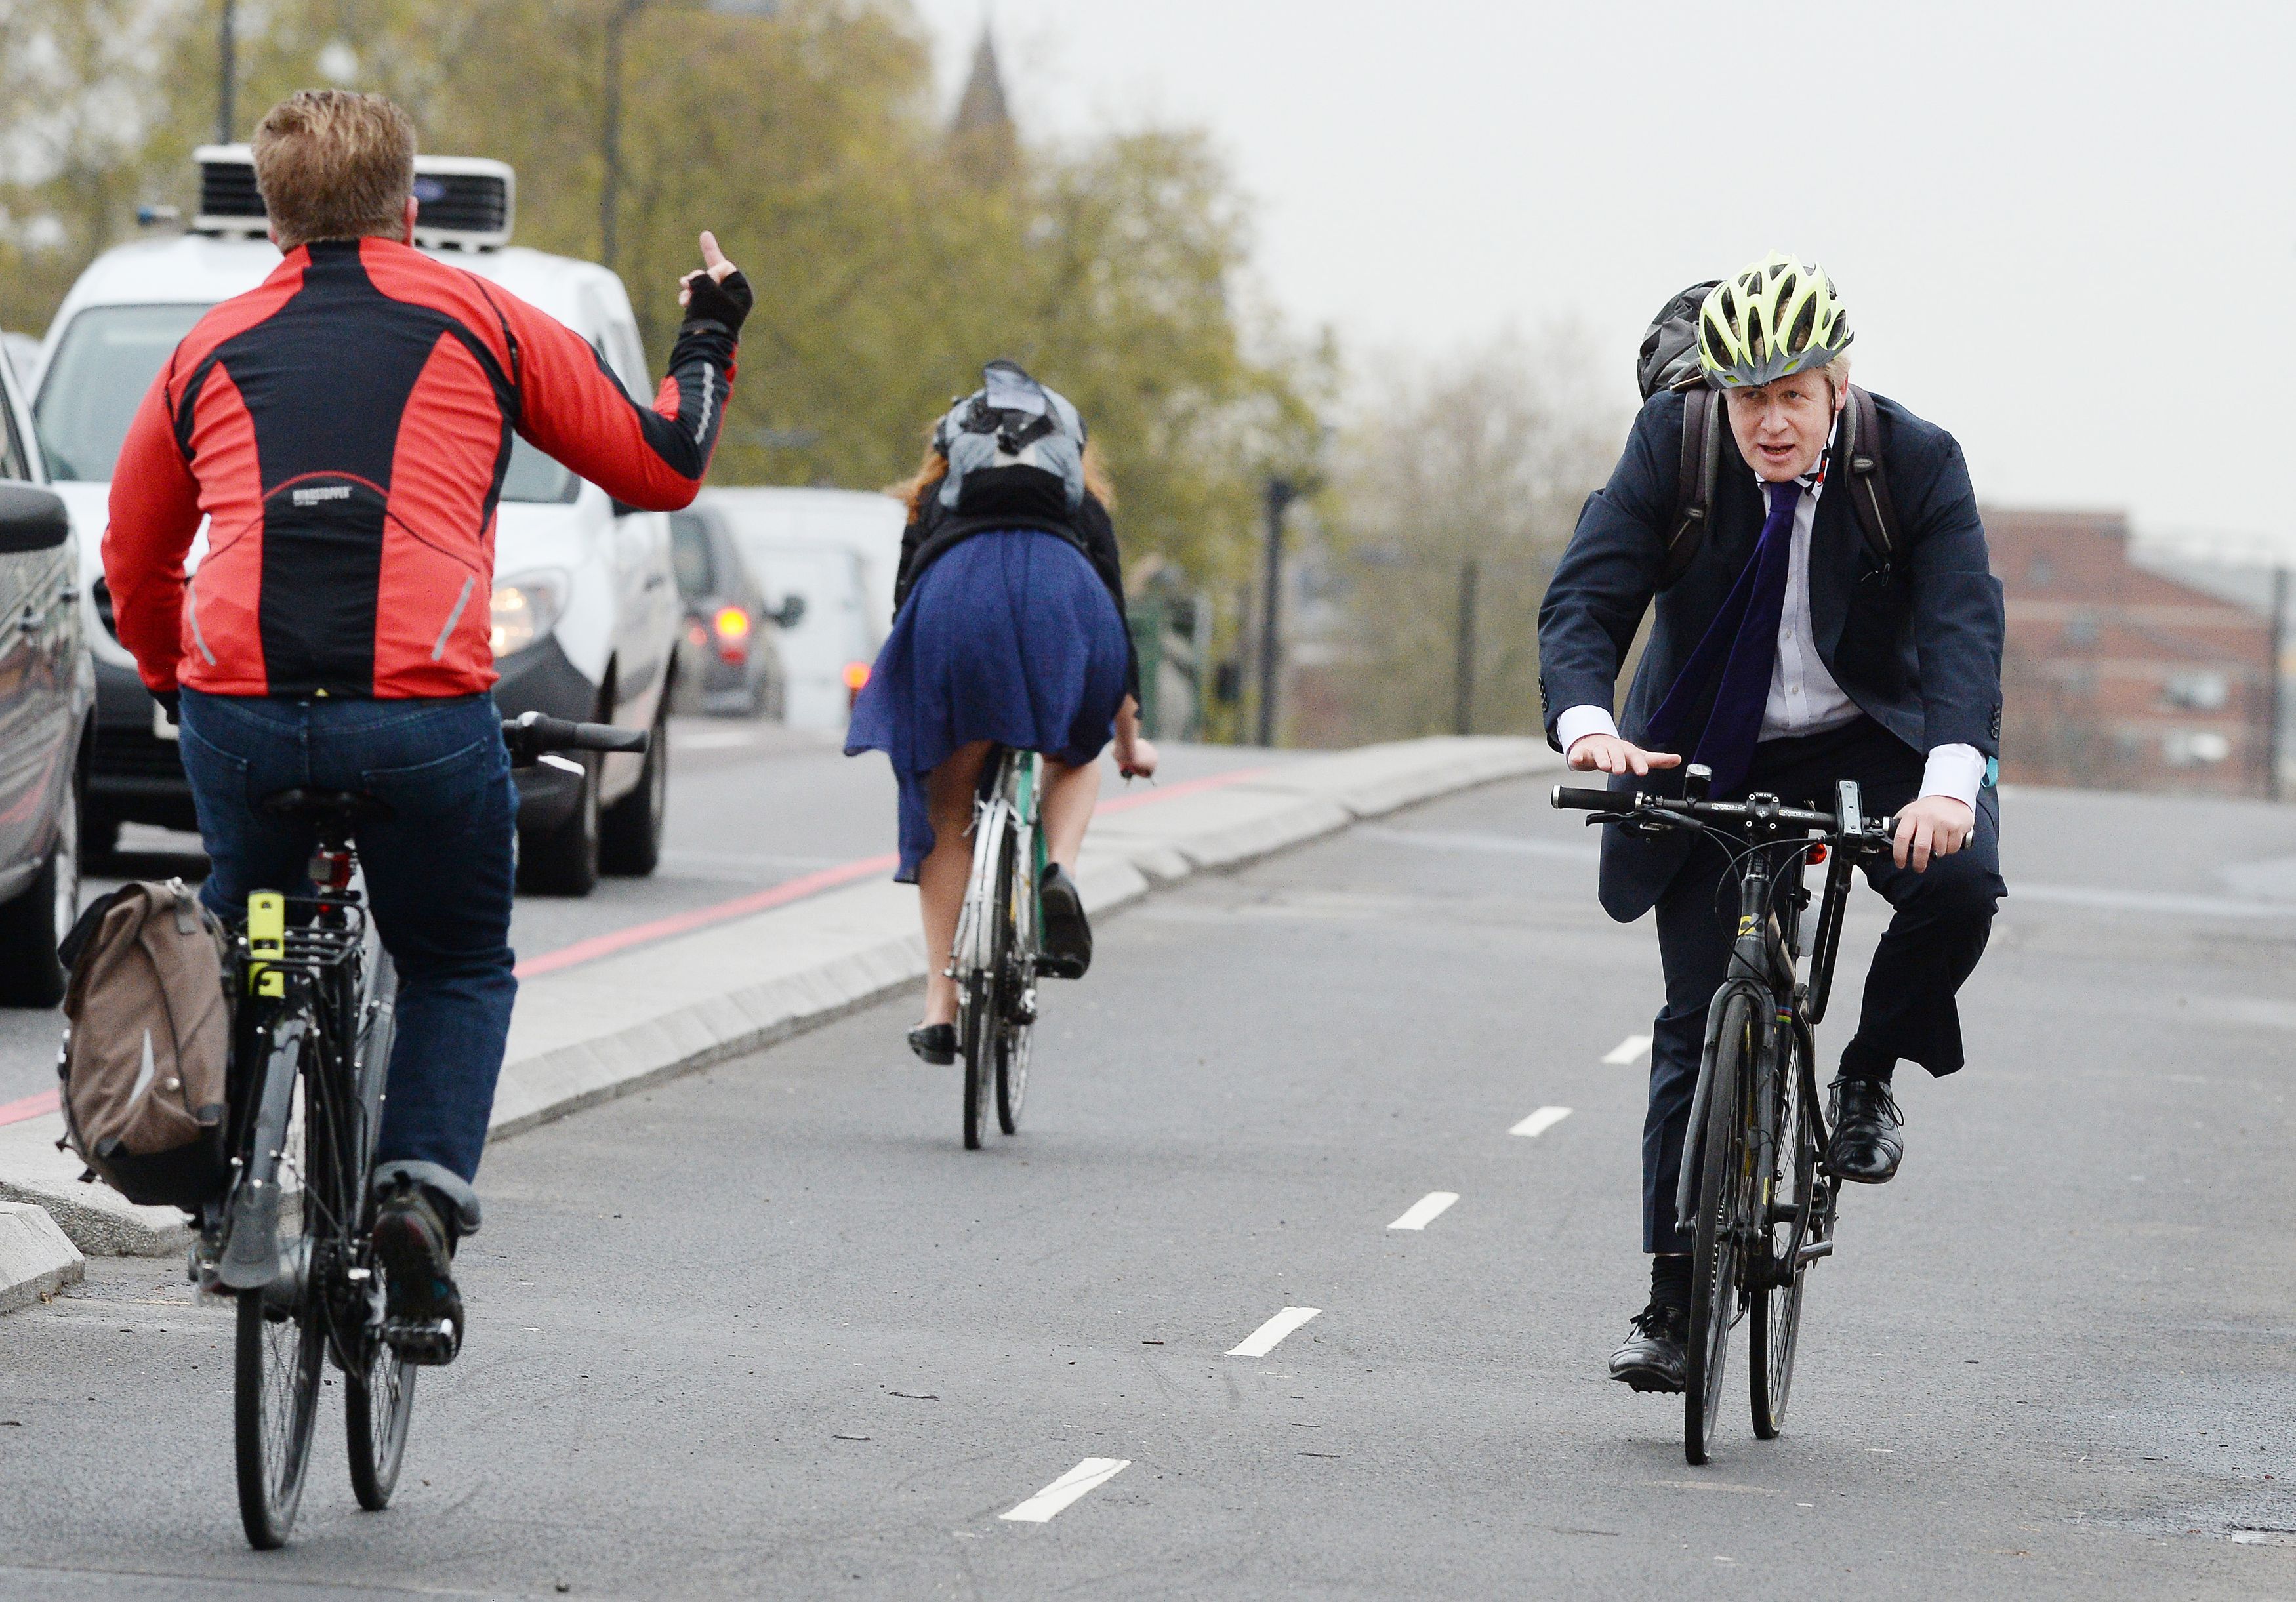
pixel 526 607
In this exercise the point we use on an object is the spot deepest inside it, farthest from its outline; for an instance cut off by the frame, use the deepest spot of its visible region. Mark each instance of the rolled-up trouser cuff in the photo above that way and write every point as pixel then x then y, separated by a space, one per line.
pixel 443 1181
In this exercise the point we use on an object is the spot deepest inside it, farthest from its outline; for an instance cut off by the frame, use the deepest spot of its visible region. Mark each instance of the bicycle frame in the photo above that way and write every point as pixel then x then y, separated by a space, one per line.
pixel 1008 801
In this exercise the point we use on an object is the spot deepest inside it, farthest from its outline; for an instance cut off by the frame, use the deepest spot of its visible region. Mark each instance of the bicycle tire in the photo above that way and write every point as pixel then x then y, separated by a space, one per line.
pixel 1016 1025
pixel 1716 1253
pixel 979 1009
pixel 378 1407
pixel 379 1394
pixel 280 1350
pixel 1773 1313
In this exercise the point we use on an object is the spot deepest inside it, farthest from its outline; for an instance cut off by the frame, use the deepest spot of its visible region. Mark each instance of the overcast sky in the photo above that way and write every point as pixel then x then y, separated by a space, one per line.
pixel 2065 232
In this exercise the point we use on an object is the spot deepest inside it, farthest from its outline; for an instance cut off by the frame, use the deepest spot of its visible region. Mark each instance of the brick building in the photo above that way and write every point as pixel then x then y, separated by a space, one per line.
pixel 2119 677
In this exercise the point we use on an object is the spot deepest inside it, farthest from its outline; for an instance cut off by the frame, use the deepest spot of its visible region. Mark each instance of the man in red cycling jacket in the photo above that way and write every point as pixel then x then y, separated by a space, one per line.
pixel 345 429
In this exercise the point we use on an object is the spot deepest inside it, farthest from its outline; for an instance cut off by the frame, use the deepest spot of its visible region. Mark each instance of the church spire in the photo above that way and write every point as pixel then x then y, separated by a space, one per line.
pixel 982 132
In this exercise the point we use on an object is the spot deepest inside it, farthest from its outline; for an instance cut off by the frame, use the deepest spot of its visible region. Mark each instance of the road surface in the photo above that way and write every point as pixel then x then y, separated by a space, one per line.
pixel 769 1331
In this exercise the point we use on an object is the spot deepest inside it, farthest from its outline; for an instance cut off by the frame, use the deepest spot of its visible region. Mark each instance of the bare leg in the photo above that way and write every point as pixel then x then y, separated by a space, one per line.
pixel 949 791
pixel 1069 794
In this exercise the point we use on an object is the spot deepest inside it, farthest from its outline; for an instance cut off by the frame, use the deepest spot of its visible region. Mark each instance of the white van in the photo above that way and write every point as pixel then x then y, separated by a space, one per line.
pixel 585 614
pixel 840 549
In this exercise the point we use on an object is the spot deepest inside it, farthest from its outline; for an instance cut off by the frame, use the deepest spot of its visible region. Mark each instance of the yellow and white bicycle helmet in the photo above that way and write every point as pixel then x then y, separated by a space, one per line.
pixel 1778 316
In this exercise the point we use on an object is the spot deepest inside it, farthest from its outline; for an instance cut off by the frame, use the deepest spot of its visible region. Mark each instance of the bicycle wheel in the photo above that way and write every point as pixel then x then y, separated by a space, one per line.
pixel 377 1404
pixel 1785 1220
pixel 1016 1003
pixel 1716 1251
pixel 984 938
pixel 379 1386
pixel 275 1405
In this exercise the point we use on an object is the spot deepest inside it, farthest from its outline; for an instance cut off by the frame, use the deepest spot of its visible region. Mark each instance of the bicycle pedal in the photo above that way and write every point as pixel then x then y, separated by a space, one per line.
pixel 427 1342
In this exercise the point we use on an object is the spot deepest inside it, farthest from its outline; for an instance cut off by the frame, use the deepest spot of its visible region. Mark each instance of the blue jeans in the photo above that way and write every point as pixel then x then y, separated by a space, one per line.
pixel 437 875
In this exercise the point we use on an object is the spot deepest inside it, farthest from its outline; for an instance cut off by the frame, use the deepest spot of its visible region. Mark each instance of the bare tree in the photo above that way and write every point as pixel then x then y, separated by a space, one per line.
pixel 1482 459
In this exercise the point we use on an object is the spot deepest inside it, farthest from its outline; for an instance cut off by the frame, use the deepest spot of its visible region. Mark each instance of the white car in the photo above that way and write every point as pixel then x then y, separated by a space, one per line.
pixel 585 613
pixel 840 551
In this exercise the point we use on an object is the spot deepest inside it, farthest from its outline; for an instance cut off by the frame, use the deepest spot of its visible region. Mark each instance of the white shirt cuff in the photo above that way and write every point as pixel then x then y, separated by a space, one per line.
pixel 1955 770
pixel 1578 722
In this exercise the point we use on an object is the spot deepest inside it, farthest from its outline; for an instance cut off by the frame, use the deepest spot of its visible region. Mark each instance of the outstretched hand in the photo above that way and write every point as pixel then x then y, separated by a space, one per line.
pixel 1608 753
pixel 716 290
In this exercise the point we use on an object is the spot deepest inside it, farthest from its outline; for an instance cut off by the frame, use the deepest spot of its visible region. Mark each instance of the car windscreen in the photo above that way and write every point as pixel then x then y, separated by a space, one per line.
pixel 106 361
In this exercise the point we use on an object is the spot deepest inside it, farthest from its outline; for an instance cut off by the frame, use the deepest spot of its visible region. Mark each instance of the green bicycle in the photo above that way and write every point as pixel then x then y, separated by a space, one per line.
pixel 994 959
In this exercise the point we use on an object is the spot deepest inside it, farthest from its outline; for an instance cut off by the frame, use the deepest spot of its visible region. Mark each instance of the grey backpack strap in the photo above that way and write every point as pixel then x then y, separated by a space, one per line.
pixel 1869 480
pixel 1695 481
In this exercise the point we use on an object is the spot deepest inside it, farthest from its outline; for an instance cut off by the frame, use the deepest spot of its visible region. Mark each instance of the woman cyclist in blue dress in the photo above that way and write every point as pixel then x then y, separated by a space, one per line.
pixel 1009 630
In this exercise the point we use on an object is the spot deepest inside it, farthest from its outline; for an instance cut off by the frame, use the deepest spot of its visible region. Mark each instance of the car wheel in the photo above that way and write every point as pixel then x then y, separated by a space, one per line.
pixel 562 860
pixel 630 833
pixel 32 923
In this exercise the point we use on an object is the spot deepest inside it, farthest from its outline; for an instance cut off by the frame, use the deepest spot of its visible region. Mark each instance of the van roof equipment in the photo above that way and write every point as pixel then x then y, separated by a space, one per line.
pixel 464 203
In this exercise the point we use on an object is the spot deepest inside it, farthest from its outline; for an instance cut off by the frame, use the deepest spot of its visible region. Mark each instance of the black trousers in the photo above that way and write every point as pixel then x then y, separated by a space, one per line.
pixel 1938 931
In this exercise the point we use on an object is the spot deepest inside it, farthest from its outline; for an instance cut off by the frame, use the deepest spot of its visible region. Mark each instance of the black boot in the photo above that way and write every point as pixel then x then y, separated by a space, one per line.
pixel 415 1243
pixel 1869 1132
pixel 1067 938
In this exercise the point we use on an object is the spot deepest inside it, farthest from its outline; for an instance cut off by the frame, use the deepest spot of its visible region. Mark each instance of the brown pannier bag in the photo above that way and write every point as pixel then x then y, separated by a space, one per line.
pixel 148 1044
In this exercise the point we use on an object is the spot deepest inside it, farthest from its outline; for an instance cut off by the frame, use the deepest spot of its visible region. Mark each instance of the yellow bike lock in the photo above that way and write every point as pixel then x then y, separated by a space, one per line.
pixel 266 943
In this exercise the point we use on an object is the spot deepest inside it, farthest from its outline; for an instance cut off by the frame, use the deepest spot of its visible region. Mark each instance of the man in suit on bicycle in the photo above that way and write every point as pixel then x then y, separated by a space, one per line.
pixel 1788 655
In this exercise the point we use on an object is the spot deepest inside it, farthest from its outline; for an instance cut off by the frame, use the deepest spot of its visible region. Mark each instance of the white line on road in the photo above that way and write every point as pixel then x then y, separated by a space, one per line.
pixel 1086 1476
pixel 1540 1121
pixel 1263 1340
pixel 1628 1050
pixel 1426 1210
pixel 715 739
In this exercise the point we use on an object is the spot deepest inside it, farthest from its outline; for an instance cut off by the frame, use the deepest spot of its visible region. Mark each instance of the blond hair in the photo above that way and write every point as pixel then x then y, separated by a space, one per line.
pixel 335 165
pixel 911 491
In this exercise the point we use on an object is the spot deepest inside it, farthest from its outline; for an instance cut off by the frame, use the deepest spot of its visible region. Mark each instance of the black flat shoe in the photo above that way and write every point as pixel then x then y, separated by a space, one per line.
pixel 1869 1132
pixel 1067 944
pixel 936 1043
pixel 1652 1358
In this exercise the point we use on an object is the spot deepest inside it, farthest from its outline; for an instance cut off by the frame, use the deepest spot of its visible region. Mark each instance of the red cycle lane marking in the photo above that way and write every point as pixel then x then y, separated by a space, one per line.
pixel 31 1106
pixel 702 917
pixel 808 885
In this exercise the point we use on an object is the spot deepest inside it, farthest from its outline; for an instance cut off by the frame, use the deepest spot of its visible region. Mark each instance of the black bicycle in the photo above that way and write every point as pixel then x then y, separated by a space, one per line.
pixel 288 1238
pixel 1755 1196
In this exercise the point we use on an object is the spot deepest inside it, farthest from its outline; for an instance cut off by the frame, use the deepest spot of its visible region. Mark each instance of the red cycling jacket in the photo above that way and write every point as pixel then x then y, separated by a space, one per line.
pixel 345 428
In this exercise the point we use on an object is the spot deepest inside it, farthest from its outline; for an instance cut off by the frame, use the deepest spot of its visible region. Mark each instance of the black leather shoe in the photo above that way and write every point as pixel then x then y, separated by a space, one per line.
pixel 936 1043
pixel 1869 1132
pixel 1067 942
pixel 1652 1358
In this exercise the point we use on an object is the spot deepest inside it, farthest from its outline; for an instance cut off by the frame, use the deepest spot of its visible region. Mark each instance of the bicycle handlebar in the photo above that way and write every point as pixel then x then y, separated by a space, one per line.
pixel 530 736
pixel 1762 809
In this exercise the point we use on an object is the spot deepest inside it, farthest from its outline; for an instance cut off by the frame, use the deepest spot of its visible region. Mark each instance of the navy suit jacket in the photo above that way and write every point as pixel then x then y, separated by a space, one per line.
pixel 1918 649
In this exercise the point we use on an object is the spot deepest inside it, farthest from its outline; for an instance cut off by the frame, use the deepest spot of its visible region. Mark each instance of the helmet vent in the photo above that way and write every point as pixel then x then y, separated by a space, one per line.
pixel 1803 326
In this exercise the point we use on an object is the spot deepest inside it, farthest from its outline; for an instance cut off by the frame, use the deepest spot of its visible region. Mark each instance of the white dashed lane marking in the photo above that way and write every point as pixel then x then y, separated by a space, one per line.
pixel 1540 1121
pixel 1630 1050
pixel 1088 1475
pixel 1263 1340
pixel 1426 1210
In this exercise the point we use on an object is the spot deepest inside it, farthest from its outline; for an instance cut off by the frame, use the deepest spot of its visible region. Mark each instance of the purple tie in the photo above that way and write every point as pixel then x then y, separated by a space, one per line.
pixel 1735 657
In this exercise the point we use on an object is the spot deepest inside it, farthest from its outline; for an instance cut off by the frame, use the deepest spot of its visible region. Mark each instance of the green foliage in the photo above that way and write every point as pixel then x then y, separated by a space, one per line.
pixel 888 266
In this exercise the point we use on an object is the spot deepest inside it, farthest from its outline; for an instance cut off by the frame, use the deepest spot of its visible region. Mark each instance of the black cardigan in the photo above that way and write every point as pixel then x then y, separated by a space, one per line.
pixel 1088 527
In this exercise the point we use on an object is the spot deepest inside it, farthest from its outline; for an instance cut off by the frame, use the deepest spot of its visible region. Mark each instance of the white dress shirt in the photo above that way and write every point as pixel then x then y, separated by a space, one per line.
pixel 1804 699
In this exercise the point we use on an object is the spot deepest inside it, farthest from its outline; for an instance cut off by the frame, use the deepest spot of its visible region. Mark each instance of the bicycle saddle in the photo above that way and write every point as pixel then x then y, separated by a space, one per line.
pixel 345 806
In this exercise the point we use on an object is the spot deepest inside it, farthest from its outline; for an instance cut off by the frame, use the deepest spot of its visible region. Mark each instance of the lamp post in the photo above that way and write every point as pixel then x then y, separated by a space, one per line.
pixel 609 132
pixel 1281 493
pixel 227 69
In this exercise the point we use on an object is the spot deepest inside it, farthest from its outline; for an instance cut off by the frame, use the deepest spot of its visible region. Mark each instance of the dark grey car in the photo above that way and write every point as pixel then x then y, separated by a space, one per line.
pixel 727 658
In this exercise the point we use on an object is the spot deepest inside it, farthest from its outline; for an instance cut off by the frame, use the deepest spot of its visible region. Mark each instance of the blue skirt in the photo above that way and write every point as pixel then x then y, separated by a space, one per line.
pixel 1009 637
